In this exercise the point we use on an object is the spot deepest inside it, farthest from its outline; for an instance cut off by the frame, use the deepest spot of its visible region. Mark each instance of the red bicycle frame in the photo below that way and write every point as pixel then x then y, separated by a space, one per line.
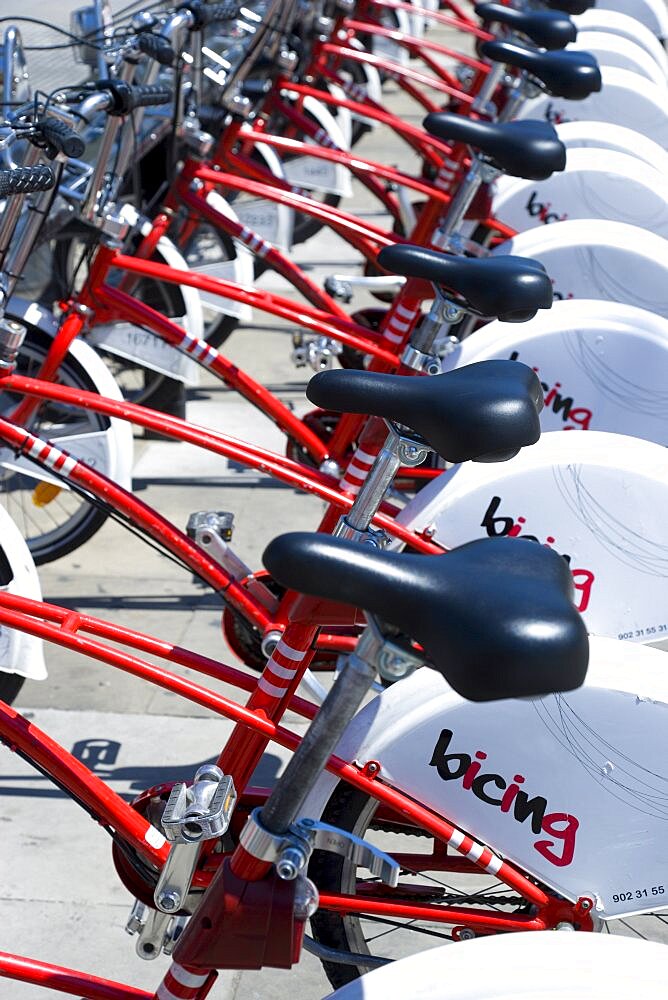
pixel 259 721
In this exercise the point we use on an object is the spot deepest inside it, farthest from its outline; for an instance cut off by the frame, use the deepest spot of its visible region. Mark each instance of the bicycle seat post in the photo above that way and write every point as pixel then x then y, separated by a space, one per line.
pixel 397 450
pixel 479 173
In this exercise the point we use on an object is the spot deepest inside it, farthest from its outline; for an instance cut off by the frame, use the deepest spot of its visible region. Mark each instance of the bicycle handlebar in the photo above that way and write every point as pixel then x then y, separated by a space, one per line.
pixel 62 137
pixel 24 180
pixel 204 14
pixel 124 98
pixel 156 47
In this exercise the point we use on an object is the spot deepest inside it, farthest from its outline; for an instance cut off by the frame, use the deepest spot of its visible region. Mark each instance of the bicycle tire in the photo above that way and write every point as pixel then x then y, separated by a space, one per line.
pixel 77 520
pixel 10 685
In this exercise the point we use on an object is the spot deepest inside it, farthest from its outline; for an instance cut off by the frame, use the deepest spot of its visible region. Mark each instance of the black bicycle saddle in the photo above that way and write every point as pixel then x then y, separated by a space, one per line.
pixel 494 616
pixel 549 29
pixel 528 149
pixel 512 291
pixel 482 412
pixel 572 75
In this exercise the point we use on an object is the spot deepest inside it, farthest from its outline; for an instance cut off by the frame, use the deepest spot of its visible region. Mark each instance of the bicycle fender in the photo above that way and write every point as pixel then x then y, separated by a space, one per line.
pixel 570 788
pixel 597 259
pixel 613 50
pixel 557 967
pixel 585 352
pixel 320 175
pixel 239 269
pixel 625 98
pixel 115 459
pixel 596 184
pixel 266 218
pixel 598 19
pixel 651 13
pixel 20 653
pixel 598 499
pixel 603 135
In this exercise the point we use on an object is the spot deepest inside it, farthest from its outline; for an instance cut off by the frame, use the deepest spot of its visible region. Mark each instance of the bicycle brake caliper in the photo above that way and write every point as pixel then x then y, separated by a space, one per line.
pixel 291 852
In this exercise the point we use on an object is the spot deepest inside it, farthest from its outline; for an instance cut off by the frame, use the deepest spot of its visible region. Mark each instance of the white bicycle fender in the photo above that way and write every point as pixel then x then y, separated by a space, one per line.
pixel 321 175
pixel 586 817
pixel 603 135
pixel 651 13
pixel 132 343
pixel 342 116
pixel 20 653
pixel 598 499
pixel 386 48
pixel 240 269
pixel 596 259
pixel 544 966
pixel 602 364
pixel 596 184
pixel 273 222
pixel 613 50
pixel 598 19
pixel 112 453
pixel 625 98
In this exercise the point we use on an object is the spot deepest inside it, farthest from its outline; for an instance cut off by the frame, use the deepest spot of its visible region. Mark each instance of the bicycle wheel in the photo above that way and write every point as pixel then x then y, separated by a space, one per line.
pixel 53 520
pixel 423 879
pixel 10 685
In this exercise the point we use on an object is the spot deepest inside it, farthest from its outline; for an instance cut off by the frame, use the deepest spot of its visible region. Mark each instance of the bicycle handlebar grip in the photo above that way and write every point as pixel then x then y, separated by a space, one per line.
pixel 205 13
pixel 125 98
pixel 156 47
pixel 148 95
pixel 62 137
pixel 24 180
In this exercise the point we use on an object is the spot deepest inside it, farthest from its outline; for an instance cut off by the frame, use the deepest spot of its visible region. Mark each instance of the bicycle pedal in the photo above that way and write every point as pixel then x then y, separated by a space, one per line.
pixel 316 352
pixel 339 289
pixel 201 811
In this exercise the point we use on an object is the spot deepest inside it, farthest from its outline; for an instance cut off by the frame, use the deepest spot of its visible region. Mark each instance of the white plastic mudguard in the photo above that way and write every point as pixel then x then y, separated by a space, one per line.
pixel 587 814
pixel 239 269
pixel 598 19
pixel 20 653
pixel 598 499
pixel 613 50
pixel 544 966
pixel 651 13
pixel 596 259
pixel 321 175
pixel 342 116
pixel 603 365
pixel 109 451
pixel 386 48
pixel 271 221
pixel 603 135
pixel 625 98
pixel 126 340
pixel 372 88
pixel 596 184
